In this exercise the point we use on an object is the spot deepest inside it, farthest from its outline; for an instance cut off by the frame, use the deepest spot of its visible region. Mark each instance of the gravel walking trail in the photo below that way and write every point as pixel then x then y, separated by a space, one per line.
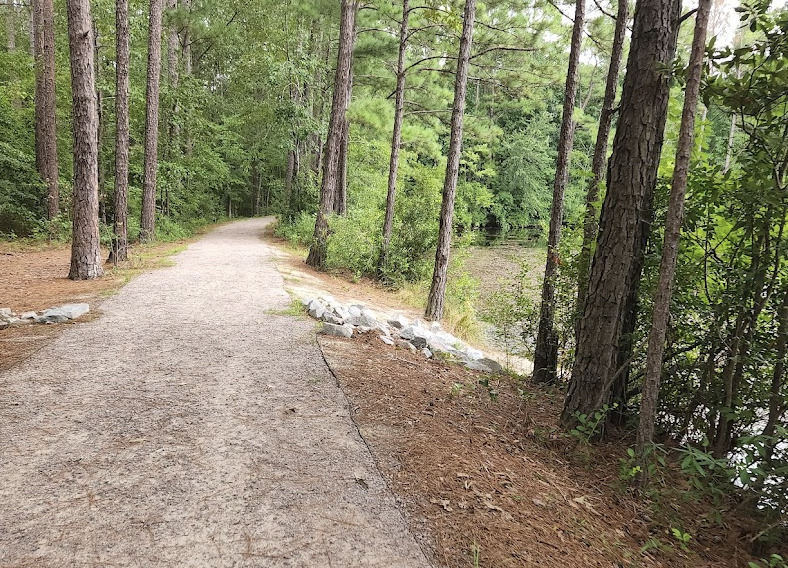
pixel 191 426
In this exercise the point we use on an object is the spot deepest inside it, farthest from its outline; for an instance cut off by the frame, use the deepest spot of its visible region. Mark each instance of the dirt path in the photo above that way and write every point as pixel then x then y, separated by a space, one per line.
pixel 191 426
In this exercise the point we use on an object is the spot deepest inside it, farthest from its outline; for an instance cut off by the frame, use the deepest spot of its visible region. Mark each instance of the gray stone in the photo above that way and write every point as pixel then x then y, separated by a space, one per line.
pixel 407 333
pixel 477 366
pixel 6 314
pixel 28 316
pixel 63 313
pixel 426 352
pixel 436 343
pixel 398 322
pixel 418 342
pixel 337 330
pixel 364 320
pixel 329 317
pixel 386 340
pixel 494 366
pixel 474 354
pixel 316 310
pixel 354 311
pixel 16 322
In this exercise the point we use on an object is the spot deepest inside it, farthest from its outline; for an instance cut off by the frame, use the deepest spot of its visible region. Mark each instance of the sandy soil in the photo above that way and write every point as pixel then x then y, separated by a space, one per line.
pixel 191 425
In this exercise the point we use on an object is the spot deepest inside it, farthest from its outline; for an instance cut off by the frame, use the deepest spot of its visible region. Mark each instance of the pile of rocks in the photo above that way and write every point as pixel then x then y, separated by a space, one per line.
pixel 425 337
pixel 52 315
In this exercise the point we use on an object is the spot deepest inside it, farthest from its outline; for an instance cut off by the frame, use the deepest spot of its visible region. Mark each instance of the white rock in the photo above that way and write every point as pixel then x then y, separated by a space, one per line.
pixel 426 352
pixel 63 313
pixel 407 333
pixel 354 311
pixel 6 314
pixel 315 309
pixel 386 340
pixel 28 316
pixel 494 366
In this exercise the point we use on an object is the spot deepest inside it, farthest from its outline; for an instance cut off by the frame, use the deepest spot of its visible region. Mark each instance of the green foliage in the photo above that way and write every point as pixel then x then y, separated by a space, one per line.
pixel 774 561
pixel 589 426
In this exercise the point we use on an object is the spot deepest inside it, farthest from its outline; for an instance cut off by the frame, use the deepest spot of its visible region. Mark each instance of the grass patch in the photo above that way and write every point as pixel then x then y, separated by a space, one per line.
pixel 296 308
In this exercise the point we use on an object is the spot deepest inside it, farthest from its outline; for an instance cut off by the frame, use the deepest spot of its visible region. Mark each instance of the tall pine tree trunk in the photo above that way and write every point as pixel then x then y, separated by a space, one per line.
pixel 340 201
pixel 46 124
pixel 173 129
pixel 120 228
pixel 150 159
pixel 396 137
pixel 10 25
pixel 85 250
pixel 625 219
pixel 437 294
pixel 675 216
pixel 317 252
pixel 546 353
pixel 591 224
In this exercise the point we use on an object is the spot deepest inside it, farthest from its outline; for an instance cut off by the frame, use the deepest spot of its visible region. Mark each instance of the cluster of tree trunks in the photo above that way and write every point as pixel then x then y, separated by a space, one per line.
pixel 603 342
pixel 43 34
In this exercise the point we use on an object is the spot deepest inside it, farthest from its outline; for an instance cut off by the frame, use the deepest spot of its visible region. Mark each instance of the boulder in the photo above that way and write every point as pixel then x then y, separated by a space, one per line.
pixel 436 343
pixel 354 311
pixel 426 352
pixel 386 340
pixel 315 309
pixel 407 333
pixel 337 330
pixel 477 366
pixel 364 319
pixel 329 317
pixel 6 314
pixel 474 354
pixel 28 316
pixel 16 322
pixel 398 322
pixel 63 313
pixel 418 342
pixel 494 366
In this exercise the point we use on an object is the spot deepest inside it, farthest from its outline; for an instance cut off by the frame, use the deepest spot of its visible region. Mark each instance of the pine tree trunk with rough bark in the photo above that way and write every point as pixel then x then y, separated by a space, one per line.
pixel 150 158
pixel 437 295
pixel 599 159
pixel 46 123
pixel 546 353
pixel 626 212
pixel 85 249
pixel 120 228
pixel 173 127
pixel 673 221
pixel 396 137
pixel 340 201
pixel 317 252
pixel 10 25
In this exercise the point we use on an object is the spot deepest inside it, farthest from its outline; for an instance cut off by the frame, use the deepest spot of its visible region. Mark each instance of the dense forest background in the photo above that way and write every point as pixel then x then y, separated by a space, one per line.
pixel 245 114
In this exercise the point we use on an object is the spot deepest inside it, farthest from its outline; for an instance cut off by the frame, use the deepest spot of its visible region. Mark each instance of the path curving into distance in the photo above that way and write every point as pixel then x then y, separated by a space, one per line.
pixel 191 426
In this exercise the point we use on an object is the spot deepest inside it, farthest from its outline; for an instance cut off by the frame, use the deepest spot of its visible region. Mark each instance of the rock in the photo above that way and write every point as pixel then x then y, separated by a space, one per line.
pixel 398 322
pixel 315 309
pixel 364 320
pixel 16 322
pixel 477 366
pixel 474 354
pixel 6 314
pixel 449 339
pixel 426 352
pixel 3 324
pixel 63 313
pixel 28 316
pixel 435 327
pixel 354 311
pixel 386 340
pixel 341 312
pixel 418 342
pixel 307 301
pixel 436 343
pixel 329 317
pixel 407 333
pixel 402 343
pixel 494 366
pixel 337 330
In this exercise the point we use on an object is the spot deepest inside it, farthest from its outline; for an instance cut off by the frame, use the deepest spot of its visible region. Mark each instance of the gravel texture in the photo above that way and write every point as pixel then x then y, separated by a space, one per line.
pixel 191 425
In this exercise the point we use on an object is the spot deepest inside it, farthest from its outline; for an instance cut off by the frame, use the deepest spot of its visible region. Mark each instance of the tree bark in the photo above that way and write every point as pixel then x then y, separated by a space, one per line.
pixel 673 221
pixel 546 353
pixel 437 295
pixel 100 129
pixel 625 219
pixel 46 123
pixel 318 250
pixel 85 250
pixel 120 229
pixel 150 159
pixel 396 137
pixel 591 224
pixel 173 130
pixel 340 201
